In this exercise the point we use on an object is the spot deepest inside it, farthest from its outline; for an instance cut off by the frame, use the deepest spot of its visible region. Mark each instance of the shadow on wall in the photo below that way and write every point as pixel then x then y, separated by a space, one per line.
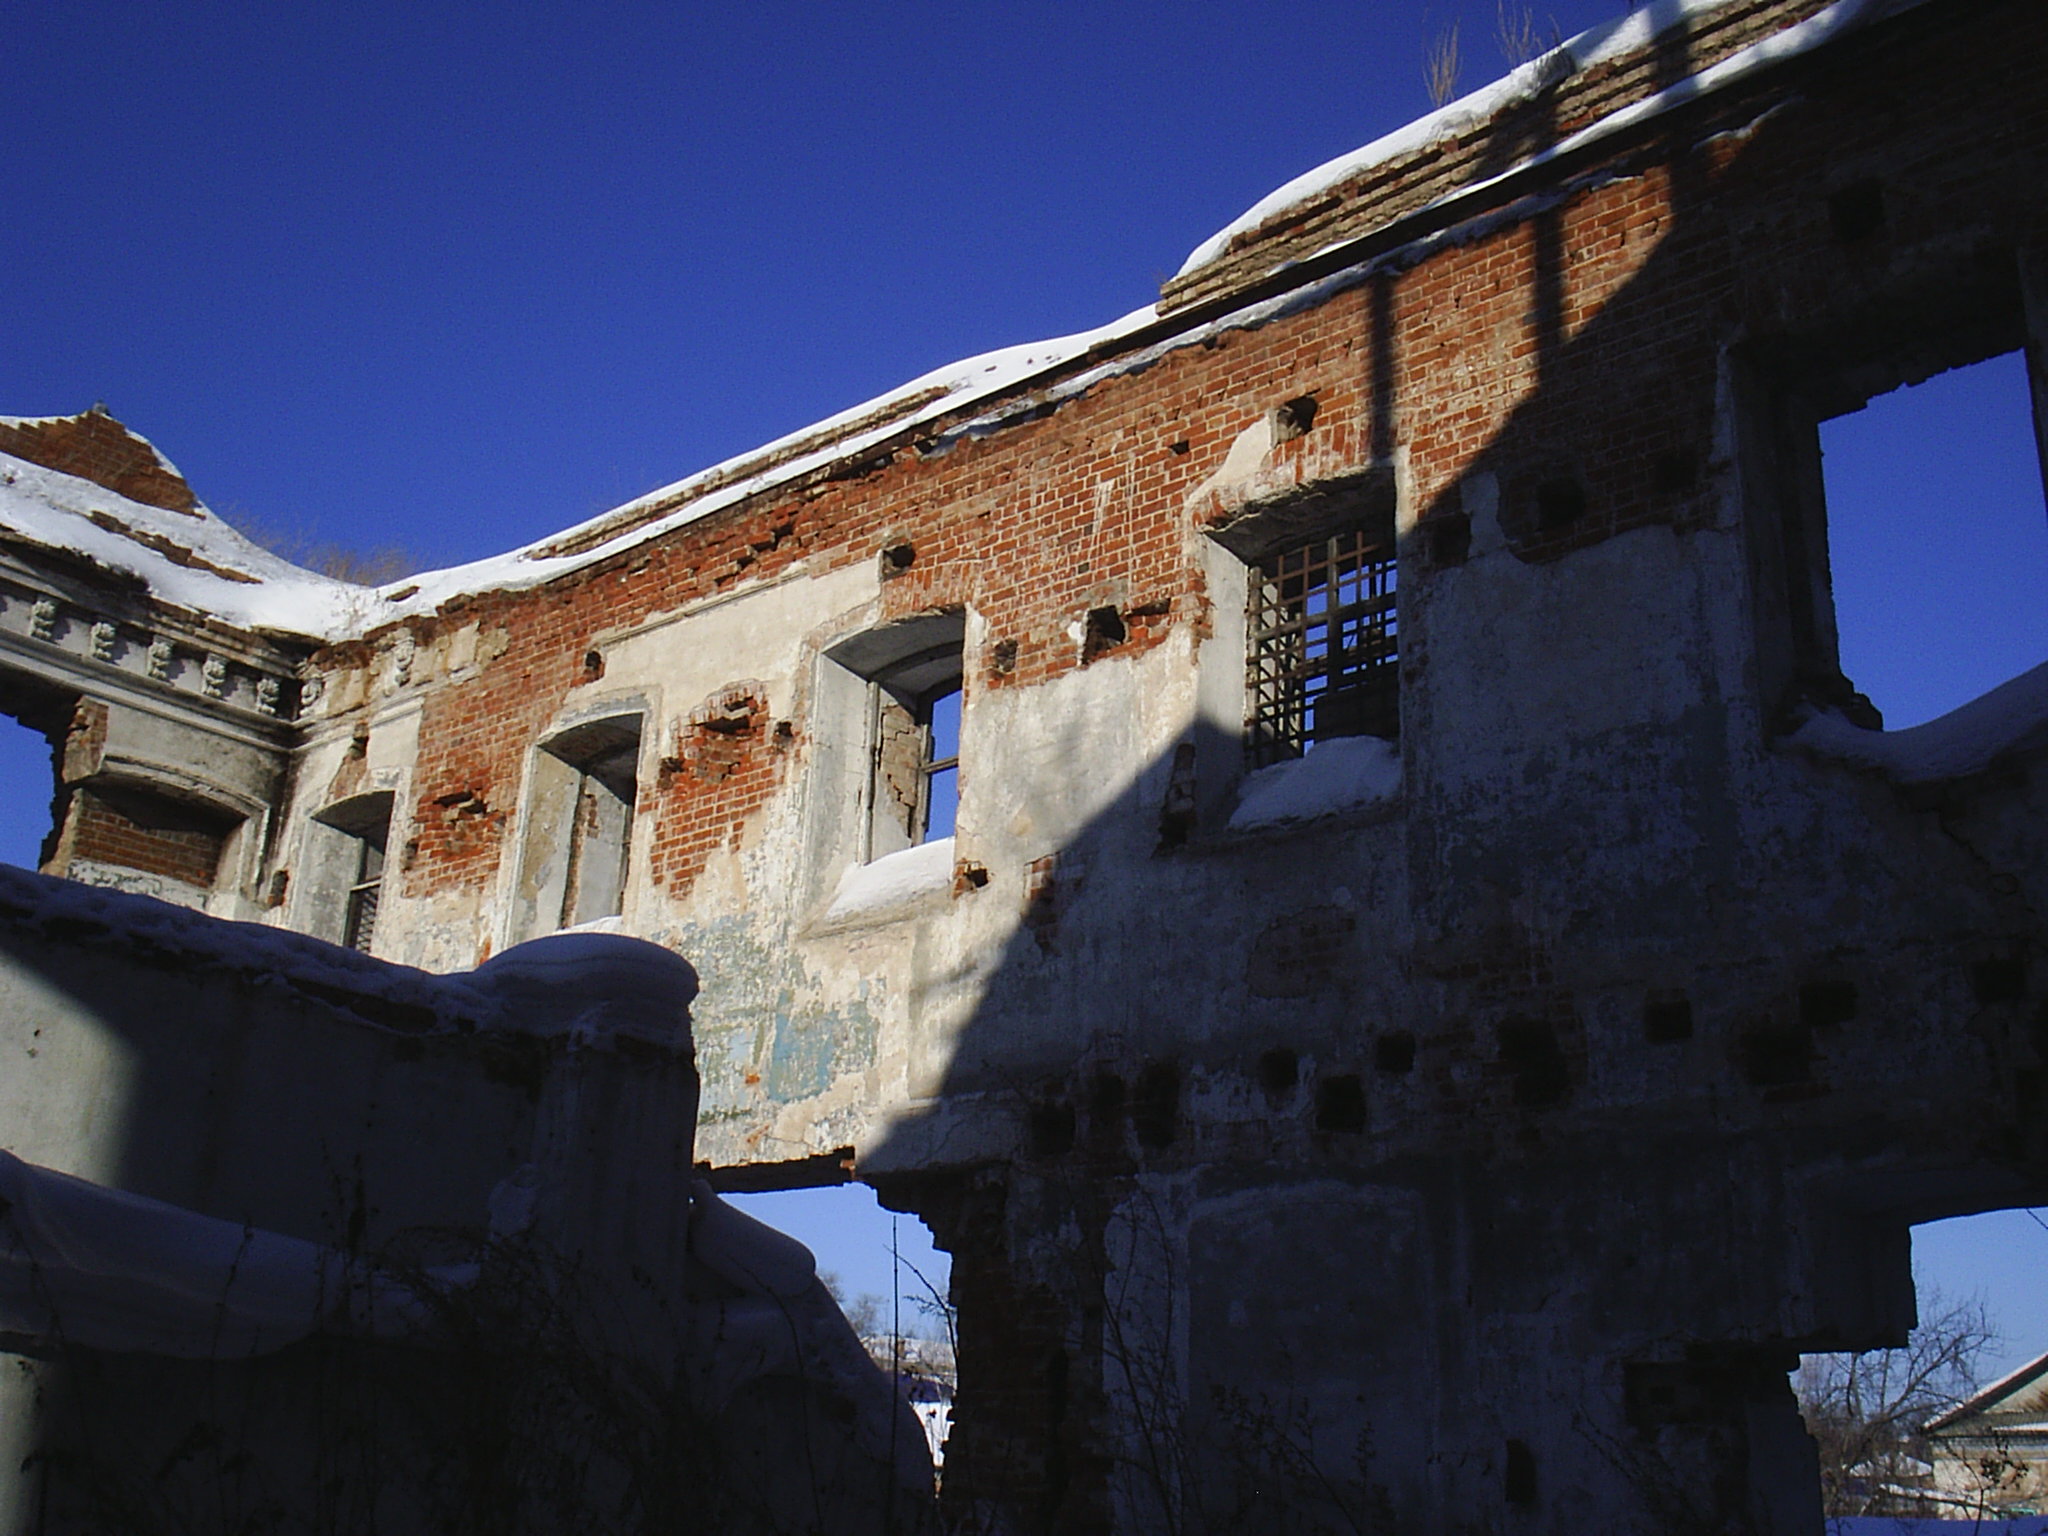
pixel 1426 1163
pixel 431 1256
pixel 1429 1160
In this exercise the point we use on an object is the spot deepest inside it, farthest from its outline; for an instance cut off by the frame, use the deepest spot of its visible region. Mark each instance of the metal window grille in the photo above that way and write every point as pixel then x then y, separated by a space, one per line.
pixel 1323 651
pixel 361 926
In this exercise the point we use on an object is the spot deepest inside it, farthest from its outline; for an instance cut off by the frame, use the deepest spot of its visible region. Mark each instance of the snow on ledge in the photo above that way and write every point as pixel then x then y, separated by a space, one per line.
pixel 1342 775
pixel 893 880
pixel 383 992
pixel 1596 45
pixel 1961 742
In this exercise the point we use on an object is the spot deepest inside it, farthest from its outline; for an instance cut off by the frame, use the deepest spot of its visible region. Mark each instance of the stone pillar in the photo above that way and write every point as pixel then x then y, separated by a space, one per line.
pixel 1026 1453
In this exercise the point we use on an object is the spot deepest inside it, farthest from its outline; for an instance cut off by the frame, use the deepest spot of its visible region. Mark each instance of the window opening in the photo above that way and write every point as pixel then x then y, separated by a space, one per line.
pixel 364 825
pixel 1937 539
pixel 581 794
pixel 916 737
pixel 362 896
pixel 1323 644
pixel 606 757
pixel 892 696
pixel 941 766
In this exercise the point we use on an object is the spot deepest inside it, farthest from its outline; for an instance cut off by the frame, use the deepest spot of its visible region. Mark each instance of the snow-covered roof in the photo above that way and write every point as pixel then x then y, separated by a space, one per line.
pixel 1595 45
pixel 2009 1385
pixel 194 560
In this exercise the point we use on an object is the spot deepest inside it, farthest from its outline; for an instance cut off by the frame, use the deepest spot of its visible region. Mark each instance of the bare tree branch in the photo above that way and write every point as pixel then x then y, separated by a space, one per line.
pixel 1865 1410
pixel 1441 62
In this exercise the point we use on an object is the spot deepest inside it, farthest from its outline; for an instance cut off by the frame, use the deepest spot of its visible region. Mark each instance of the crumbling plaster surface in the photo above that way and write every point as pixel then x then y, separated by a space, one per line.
pixel 1597 1067
pixel 880 1005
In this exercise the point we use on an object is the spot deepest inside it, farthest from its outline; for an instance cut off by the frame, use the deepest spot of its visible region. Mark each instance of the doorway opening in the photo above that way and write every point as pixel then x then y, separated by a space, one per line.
pixel 890 1280
pixel 1953 1425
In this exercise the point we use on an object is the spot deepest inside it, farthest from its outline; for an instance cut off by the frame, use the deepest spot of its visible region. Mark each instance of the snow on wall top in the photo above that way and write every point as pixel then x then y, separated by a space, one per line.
pixel 194 560
pixel 1597 45
pixel 2012 717
pixel 187 557
pixel 840 438
pixel 1607 41
pixel 143 929
pixel 598 988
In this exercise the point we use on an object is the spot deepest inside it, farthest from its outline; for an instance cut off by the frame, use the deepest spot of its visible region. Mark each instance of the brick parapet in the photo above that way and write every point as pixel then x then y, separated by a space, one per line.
pixel 96 447
pixel 1381 195
pixel 1579 345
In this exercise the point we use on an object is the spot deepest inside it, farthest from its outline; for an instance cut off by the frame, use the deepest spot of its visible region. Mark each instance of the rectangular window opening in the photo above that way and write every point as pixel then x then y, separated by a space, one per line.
pixel 606 758
pixel 361 926
pixel 360 829
pixel 906 676
pixel 1323 643
pixel 1937 538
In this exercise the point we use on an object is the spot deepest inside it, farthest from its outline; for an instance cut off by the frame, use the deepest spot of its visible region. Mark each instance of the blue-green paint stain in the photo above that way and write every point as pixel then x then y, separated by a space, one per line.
pixel 750 1021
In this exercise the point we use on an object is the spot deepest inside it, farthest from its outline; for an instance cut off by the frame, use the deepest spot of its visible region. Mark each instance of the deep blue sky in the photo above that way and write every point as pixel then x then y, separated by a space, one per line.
pixel 460 276
pixel 452 278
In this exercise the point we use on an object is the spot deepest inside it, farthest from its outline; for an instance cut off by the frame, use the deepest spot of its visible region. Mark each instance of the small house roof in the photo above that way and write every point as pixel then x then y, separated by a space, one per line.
pixel 2023 1391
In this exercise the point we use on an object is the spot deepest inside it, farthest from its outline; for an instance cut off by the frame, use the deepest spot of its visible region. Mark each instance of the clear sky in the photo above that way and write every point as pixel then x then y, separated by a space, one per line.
pixel 449 278
pixel 454 277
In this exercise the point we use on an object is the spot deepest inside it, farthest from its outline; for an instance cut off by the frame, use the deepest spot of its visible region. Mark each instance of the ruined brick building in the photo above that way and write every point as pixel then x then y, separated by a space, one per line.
pixel 1316 835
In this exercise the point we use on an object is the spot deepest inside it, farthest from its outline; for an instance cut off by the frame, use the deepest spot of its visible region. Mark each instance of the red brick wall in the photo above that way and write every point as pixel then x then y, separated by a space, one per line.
pixel 1010 525
pixel 728 760
pixel 98 448
pixel 133 829
pixel 1574 353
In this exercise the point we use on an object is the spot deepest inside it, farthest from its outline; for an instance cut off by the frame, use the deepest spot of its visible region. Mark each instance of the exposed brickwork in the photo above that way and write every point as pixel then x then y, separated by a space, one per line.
pixel 1573 355
pixel 134 829
pixel 96 447
pixel 1408 184
pixel 1529 1031
pixel 1033 528
pixel 728 759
